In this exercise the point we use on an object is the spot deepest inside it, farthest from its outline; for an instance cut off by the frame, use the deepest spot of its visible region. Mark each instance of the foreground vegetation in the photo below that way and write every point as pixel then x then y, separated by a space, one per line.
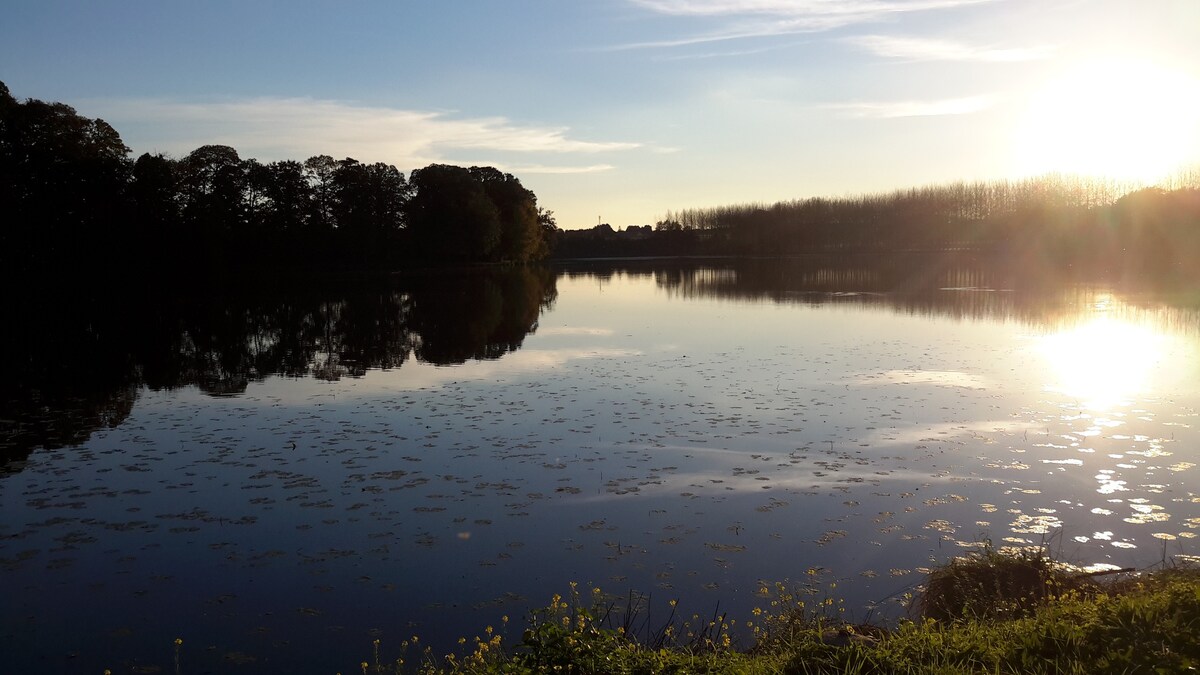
pixel 1011 612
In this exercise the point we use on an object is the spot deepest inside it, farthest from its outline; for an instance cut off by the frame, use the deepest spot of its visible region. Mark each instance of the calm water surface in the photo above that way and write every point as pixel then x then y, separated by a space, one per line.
pixel 279 481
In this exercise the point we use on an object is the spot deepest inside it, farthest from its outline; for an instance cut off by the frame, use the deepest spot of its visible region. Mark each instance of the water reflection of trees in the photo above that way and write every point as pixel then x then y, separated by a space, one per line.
pixel 957 285
pixel 78 361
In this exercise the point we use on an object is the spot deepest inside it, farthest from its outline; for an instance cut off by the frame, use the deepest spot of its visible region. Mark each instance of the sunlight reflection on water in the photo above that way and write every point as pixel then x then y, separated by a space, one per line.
pixel 1103 361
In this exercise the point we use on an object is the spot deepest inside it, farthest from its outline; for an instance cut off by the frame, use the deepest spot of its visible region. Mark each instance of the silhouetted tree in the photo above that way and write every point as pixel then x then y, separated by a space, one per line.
pixel 368 207
pixel 450 215
pixel 289 196
pixel 548 234
pixel 62 184
pixel 286 215
pixel 72 196
pixel 517 210
pixel 318 170
pixel 155 238
pixel 212 181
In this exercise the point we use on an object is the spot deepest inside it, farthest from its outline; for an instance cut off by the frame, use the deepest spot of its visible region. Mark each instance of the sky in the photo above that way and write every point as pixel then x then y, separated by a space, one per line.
pixel 620 111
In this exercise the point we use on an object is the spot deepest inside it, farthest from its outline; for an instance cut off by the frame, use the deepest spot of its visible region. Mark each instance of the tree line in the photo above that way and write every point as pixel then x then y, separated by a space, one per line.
pixel 1065 219
pixel 75 200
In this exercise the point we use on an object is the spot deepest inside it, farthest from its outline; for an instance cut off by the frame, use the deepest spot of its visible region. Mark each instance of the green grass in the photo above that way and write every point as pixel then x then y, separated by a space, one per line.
pixel 993 612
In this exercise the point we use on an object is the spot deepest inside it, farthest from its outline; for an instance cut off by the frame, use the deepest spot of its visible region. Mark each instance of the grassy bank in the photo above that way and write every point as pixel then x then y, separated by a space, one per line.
pixel 1013 612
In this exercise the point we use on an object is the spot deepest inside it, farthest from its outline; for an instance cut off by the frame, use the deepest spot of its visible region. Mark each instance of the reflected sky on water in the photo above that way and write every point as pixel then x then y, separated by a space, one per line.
pixel 684 431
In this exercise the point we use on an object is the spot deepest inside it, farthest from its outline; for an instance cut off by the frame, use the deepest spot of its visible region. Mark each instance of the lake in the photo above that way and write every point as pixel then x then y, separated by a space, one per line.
pixel 280 476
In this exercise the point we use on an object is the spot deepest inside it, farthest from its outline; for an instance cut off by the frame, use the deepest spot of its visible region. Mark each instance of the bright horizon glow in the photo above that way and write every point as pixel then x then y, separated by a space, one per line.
pixel 623 110
pixel 1122 119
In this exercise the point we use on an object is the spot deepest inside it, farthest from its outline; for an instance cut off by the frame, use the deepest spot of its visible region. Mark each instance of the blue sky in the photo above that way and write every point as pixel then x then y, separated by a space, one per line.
pixel 623 109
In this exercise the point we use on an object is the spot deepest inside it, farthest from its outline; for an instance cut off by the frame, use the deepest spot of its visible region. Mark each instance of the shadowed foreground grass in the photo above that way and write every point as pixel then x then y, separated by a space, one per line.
pixel 993 612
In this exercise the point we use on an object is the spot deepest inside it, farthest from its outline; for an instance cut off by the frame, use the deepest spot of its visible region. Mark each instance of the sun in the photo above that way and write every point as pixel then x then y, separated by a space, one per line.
pixel 1121 119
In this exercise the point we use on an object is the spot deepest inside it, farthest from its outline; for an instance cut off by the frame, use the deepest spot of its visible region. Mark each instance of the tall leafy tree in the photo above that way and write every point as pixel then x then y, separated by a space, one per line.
pixel 289 197
pixel 212 185
pixel 155 209
pixel 517 210
pixel 318 171
pixel 368 207
pixel 62 183
pixel 389 194
pixel 450 216
pixel 548 234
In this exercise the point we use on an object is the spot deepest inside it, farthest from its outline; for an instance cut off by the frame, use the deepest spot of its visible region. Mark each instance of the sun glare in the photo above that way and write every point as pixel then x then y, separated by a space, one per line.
pixel 1102 362
pixel 1126 120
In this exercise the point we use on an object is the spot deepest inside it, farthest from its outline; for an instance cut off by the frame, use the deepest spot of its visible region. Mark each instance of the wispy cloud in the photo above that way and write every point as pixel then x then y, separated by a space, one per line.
pixel 765 18
pixel 545 169
pixel 740 31
pixel 720 54
pixel 892 109
pixel 575 330
pixel 921 49
pixel 795 7
pixel 295 128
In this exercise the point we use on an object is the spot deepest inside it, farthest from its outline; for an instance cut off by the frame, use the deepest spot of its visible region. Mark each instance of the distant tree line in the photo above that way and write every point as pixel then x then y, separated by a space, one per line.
pixel 74 200
pixel 1066 219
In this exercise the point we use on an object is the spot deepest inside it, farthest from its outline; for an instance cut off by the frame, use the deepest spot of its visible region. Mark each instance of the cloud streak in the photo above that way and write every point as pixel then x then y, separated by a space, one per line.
pixel 544 169
pixel 798 8
pixel 714 55
pixel 296 128
pixel 895 109
pixel 920 49
pixel 766 18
